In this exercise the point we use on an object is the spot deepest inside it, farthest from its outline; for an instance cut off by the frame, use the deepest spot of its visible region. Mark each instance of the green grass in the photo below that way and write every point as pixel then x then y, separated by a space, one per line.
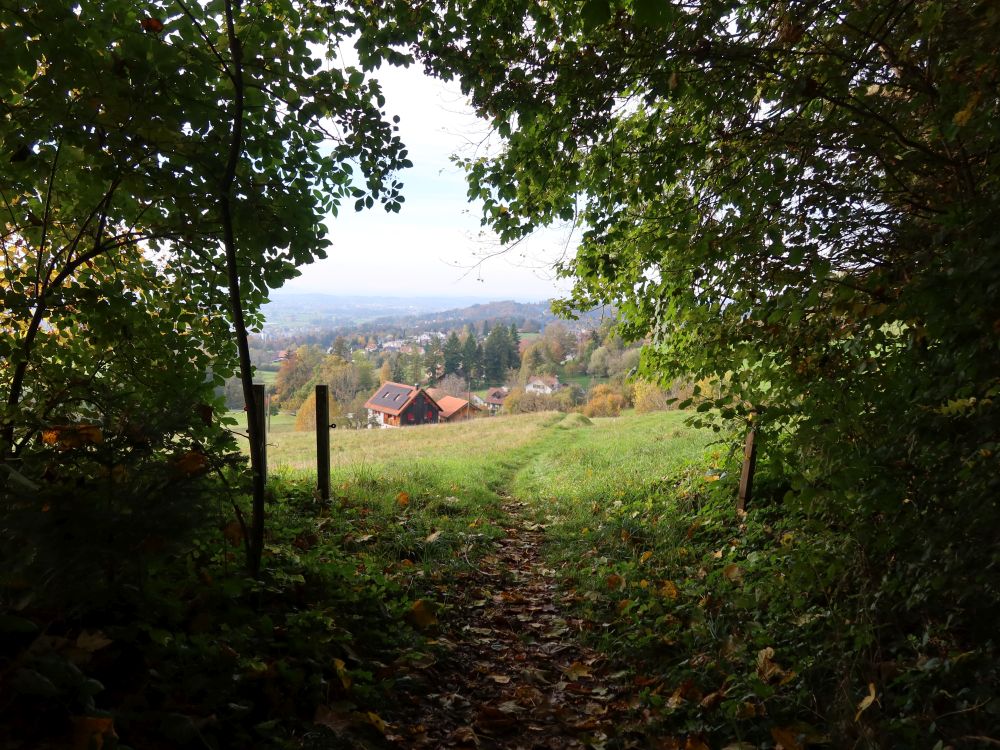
pixel 267 377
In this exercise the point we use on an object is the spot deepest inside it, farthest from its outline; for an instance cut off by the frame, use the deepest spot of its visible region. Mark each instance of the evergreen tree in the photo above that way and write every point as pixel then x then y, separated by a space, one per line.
pixel 514 360
pixel 496 355
pixel 471 355
pixel 452 354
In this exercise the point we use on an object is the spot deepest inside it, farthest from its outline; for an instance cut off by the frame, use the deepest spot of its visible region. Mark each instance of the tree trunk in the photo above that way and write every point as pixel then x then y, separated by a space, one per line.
pixel 256 541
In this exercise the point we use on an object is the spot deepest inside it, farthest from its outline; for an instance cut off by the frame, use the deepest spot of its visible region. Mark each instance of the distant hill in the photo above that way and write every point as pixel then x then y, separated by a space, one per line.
pixel 290 313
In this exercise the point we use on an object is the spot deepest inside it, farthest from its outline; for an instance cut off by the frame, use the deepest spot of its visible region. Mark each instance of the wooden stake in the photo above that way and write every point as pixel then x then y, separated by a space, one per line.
pixel 258 397
pixel 323 441
pixel 749 466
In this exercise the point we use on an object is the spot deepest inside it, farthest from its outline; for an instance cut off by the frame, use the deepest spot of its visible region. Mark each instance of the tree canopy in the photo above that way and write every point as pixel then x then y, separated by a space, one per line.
pixel 794 200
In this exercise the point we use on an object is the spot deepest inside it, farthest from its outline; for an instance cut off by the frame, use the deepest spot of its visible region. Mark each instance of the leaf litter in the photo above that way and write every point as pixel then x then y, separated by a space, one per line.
pixel 510 670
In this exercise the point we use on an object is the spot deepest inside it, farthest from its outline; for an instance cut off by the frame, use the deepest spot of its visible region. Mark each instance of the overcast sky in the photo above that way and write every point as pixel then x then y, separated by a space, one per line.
pixel 432 247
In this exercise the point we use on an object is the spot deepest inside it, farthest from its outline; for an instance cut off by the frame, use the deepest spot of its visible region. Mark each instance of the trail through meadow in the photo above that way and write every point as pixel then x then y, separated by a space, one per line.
pixel 511 670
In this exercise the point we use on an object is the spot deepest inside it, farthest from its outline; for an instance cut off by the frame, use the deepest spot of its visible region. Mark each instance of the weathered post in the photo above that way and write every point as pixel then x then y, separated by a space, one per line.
pixel 749 465
pixel 323 441
pixel 258 397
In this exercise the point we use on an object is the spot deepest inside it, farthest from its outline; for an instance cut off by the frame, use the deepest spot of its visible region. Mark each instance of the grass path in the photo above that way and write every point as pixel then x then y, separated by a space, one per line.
pixel 511 667
pixel 512 671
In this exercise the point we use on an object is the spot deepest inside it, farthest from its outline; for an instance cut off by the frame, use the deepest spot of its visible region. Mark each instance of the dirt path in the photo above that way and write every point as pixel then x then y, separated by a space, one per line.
pixel 511 672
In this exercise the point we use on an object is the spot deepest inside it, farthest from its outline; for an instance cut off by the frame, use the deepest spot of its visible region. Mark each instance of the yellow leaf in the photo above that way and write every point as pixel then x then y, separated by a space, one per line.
pixel 341 669
pixel 645 556
pixel 962 117
pixel 376 721
pixel 576 670
pixel 403 499
pixel 867 701
pixel 91 641
pixel 433 537
pixel 669 589
pixel 644 584
pixel 421 615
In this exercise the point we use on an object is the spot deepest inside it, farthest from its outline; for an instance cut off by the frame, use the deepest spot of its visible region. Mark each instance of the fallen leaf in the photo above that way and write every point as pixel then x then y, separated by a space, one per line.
pixel 786 738
pixel 669 589
pixel 766 667
pixel 615 582
pixel 403 499
pixel 376 721
pixel 341 669
pixel 733 572
pixel 500 679
pixel 576 671
pixel 421 615
pixel 511 707
pixel 433 537
pixel 645 556
pixel 90 732
pixel 695 743
pixel 92 641
pixel 464 734
pixel 867 701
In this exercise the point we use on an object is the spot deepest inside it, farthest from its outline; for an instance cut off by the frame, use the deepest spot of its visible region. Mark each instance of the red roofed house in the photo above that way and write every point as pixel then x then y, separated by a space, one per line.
pixel 453 409
pixel 495 398
pixel 396 405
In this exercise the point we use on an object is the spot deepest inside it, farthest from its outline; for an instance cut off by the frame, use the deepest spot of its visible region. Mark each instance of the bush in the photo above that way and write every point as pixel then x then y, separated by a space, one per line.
pixel 605 405
pixel 648 397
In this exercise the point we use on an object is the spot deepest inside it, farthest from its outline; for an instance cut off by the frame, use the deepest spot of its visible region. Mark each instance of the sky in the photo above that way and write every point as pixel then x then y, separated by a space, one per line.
pixel 435 245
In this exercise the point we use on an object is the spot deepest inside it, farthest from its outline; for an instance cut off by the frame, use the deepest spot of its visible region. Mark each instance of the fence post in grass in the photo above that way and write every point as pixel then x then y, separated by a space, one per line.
pixel 749 465
pixel 259 400
pixel 323 441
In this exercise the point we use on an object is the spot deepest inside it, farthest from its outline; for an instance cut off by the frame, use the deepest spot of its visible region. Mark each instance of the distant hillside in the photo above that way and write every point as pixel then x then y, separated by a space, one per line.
pixel 318 312
pixel 288 311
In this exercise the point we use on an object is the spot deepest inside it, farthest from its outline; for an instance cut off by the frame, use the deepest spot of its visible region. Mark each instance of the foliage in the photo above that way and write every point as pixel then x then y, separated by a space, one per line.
pixel 648 397
pixel 604 402
pixel 305 418
pixel 794 200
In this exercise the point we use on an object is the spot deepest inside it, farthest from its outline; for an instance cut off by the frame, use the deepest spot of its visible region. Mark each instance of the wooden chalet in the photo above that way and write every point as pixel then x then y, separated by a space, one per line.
pixel 453 409
pixel 397 405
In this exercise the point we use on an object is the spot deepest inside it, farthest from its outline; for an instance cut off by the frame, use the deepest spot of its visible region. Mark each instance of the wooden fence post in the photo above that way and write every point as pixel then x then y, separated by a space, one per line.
pixel 259 400
pixel 749 465
pixel 323 441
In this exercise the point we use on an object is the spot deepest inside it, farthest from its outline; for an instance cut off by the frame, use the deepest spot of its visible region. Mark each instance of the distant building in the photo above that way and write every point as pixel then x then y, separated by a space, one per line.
pixel 453 409
pixel 495 398
pixel 543 384
pixel 397 405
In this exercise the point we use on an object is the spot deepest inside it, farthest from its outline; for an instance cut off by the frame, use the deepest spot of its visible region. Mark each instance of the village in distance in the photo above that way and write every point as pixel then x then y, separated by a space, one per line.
pixel 400 362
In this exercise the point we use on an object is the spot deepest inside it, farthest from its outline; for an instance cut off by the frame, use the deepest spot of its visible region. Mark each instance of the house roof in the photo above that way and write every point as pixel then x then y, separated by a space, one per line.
pixel 550 380
pixel 450 404
pixel 392 398
pixel 496 396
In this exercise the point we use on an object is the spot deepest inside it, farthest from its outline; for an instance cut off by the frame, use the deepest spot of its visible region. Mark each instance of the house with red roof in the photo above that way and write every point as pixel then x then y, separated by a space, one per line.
pixel 453 409
pixel 398 405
